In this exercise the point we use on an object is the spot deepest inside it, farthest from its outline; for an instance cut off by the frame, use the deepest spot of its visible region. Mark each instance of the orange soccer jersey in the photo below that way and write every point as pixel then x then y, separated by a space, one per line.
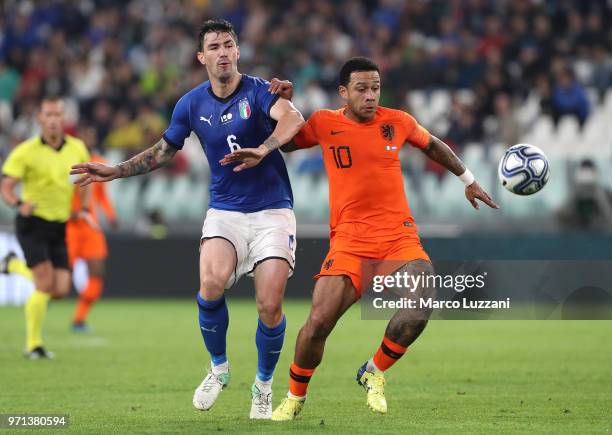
pixel 369 213
pixel 83 240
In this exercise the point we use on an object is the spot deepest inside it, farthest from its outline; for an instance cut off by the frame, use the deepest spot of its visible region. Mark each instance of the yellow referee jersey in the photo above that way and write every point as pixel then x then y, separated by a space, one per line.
pixel 45 174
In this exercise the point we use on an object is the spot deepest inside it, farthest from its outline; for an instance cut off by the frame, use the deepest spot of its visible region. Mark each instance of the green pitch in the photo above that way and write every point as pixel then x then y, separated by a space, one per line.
pixel 137 373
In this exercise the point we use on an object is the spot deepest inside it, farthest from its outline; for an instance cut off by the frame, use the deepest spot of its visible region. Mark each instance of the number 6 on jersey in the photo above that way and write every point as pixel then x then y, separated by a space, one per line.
pixel 233 146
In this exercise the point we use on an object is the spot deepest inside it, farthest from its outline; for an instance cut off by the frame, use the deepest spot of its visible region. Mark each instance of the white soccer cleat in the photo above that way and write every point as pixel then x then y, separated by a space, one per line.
pixel 207 392
pixel 261 401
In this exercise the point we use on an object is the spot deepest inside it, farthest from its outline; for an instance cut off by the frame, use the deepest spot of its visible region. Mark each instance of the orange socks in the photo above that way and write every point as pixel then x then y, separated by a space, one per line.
pixel 298 380
pixel 92 293
pixel 388 353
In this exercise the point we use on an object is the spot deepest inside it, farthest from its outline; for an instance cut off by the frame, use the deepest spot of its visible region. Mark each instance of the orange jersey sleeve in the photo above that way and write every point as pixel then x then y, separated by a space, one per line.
pixel 307 137
pixel 416 135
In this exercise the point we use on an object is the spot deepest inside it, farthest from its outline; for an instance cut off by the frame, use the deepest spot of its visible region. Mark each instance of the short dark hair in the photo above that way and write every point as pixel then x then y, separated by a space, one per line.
pixel 51 98
pixel 356 64
pixel 218 26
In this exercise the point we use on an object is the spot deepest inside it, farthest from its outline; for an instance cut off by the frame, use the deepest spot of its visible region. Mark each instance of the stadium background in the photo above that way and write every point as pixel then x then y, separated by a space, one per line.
pixel 480 74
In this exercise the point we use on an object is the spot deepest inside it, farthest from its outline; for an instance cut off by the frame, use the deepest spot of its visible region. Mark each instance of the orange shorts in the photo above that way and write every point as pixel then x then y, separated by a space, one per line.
pixel 84 242
pixel 346 255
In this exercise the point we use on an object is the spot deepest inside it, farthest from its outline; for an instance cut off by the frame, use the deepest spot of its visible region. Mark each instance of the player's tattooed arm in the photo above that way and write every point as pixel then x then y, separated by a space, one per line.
pixel 441 153
pixel 148 160
pixel 272 143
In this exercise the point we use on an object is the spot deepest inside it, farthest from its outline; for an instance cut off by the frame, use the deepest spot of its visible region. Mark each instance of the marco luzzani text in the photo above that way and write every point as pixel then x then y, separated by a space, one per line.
pixel 412 282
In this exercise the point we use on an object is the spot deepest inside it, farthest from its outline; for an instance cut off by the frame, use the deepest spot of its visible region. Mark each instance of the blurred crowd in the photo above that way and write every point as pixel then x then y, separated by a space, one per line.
pixel 124 63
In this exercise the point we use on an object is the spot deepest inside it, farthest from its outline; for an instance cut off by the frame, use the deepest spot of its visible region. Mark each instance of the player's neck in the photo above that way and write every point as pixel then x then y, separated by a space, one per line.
pixel 53 141
pixel 353 117
pixel 225 88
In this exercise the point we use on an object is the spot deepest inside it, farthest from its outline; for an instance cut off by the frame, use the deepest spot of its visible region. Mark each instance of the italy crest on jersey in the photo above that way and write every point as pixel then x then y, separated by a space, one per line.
pixel 244 108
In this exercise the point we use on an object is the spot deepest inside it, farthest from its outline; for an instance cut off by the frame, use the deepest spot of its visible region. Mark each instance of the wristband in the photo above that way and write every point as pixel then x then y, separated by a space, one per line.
pixel 467 177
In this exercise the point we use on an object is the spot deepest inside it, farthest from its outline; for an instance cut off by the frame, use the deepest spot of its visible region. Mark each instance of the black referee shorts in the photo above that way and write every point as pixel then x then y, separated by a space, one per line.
pixel 42 240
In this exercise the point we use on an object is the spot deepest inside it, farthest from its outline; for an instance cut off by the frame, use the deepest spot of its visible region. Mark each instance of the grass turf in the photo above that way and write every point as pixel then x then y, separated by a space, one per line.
pixel 137 371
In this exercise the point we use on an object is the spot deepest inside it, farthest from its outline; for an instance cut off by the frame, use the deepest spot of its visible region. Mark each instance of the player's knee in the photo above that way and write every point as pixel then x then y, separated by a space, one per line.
pixel 212 287
pixel 45 284
pixel 319 326
pixel 270 312
pixel 60 291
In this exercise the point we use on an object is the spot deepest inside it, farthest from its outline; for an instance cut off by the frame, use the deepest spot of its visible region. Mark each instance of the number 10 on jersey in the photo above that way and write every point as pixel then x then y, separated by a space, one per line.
pixel 342 157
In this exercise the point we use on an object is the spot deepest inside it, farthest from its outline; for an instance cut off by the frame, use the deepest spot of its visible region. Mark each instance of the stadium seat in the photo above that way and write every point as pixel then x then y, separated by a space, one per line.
pixel 6 114
pixel 607 102
pixel 567 139
pixel 125 196
pixel 542 135
pixel 419 106
pixel 594 137
pixel 555 193
pixel 529 110
pixel 155 193
pixel 439 103
pixel 195 200
pixel 473 154
pixel 179 196
pixel 114 156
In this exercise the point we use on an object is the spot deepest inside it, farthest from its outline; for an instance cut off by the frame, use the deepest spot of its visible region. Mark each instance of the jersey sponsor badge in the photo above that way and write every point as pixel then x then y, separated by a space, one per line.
pixel 244 108
pixel 226 117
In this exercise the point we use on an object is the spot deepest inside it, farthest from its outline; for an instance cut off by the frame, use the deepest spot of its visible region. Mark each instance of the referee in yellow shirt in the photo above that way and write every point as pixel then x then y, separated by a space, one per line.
pixel 42 165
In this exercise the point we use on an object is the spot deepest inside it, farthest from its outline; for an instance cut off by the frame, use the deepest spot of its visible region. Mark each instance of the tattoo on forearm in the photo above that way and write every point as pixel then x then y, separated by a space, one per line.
pixel 439 152
pixel 272 143
pixel 148 160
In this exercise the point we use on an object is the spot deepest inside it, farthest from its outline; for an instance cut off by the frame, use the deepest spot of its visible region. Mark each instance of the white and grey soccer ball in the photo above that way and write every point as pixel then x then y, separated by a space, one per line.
pixel 524 169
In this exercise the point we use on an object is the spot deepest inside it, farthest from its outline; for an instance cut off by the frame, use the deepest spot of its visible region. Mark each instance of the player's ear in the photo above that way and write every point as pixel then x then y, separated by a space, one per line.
pixel 343 91
pixel 237 52
pixel 201 58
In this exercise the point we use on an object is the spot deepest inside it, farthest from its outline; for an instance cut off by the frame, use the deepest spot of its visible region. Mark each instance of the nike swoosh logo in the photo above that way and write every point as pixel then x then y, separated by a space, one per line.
pixel 213 329
pixel 333 132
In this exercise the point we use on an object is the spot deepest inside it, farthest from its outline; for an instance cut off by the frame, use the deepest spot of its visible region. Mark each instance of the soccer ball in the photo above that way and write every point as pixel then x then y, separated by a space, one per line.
pixel 524 169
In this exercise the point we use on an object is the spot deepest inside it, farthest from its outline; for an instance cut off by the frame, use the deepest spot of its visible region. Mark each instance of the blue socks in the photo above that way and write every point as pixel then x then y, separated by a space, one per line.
pixel 214 320
pixel 269 344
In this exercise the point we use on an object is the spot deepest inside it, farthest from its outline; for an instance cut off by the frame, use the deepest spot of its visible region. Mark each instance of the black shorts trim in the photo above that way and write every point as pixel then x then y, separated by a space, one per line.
pixel 270 258
pixel 202 239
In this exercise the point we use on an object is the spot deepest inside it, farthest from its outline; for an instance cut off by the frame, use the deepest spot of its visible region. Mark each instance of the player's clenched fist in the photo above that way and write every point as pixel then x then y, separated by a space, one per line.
pixel 284 88
pixel 94 172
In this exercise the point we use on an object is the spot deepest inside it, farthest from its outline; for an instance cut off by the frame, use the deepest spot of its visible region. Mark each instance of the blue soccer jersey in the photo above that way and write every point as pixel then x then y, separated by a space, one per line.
pixel 223 125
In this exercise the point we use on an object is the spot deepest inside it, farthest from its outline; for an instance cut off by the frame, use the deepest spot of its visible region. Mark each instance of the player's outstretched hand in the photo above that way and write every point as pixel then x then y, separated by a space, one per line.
pixel 248 157
pixel 94 172
pixel 474 192
pixel 282 87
